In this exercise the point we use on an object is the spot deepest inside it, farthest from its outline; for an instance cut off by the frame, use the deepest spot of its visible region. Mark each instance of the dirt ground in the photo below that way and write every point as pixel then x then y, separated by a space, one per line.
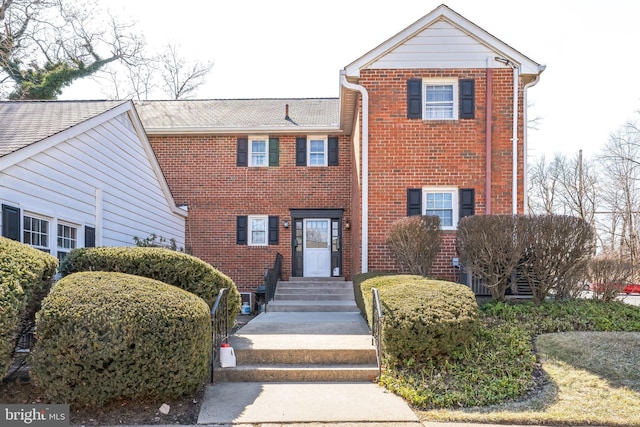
pixel 19 389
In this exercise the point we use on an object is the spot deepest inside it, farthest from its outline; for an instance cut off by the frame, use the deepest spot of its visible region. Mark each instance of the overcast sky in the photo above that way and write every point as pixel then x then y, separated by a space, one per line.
pixel 295 48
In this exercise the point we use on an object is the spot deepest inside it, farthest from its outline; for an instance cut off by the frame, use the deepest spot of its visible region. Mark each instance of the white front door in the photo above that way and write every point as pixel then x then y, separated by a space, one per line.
pixel 317 248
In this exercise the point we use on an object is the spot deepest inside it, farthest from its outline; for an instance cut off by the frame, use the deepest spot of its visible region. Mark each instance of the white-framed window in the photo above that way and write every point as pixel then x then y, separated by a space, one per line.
pixel 259 151
pixel 317 151
pixel 440 99
pixel 442 202
pixel 35 232
pixel 258 230
pixel 67 239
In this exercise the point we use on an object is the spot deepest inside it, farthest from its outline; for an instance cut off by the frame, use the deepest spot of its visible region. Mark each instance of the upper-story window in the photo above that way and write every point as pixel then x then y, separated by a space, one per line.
pixel 317 151
pixel 259 151
pixel 35 232
pixel 440 99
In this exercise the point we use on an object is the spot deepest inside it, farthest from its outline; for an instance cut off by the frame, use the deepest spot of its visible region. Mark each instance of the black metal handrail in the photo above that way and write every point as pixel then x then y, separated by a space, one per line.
pixel 376 327
pixel 219 326
pixel 271 277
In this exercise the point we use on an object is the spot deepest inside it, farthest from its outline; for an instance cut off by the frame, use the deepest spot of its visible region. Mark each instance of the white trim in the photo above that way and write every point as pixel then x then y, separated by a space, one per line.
pixel 250 219
pixel 454 83
pixel 442 12
pixel 258 138
pixel 455 204
pixel 324 139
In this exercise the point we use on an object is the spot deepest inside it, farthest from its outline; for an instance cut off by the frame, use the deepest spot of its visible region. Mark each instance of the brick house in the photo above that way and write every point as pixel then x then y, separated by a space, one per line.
pixel 321 180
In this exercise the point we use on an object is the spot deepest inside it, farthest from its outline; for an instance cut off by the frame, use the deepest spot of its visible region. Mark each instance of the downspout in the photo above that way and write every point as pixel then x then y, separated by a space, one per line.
pixel 365 167
pixel 514 139
pixel 488 139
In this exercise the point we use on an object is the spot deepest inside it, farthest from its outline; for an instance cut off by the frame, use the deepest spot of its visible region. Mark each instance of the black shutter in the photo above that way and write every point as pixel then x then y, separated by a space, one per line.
pixel 414 201
pixel 301 151
pixel 273 230
pixel 333 151
pixel 241 229
pixel 467 202
pixel 89 237
pixel 414 98
pixel 274 152
pixel 11 222
pixel 467 99
pixel 243 152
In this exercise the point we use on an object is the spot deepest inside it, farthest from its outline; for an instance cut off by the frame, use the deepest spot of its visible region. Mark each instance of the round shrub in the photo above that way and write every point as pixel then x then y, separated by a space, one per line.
pixel 175 268
pixel 103 336
pixel 425 319
pixel 25 277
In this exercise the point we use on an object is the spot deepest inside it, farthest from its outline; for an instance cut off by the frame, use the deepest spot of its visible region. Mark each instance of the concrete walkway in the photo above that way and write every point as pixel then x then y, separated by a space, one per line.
pixel 327 403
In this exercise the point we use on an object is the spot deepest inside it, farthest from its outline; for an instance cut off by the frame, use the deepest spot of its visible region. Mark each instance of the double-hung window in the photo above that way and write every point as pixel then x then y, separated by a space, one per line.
pixel 259 151
pixel 442 202
pixel 67 240
pixel 258 228
pixel 440 99
pixel 317 151
pixel 35 232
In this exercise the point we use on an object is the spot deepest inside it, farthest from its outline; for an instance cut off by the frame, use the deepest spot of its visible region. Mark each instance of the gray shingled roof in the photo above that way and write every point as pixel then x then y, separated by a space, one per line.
pixel 25 122
pixel 238 114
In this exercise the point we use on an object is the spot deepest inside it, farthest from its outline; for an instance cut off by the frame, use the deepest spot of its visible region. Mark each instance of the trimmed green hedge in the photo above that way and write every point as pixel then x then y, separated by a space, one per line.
pixel 25 277
pixel 423 318
pixel 174 268
pixel 103 336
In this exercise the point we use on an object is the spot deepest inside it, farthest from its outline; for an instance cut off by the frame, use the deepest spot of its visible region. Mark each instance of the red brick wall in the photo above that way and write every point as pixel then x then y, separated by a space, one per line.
pixel 201 172
pixel 411 153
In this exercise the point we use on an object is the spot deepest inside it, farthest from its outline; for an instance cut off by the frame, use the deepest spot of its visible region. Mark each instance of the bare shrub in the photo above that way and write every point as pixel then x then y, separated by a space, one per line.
pixel 558 249
pixel 491 246
pixel 609 276
pixel 415 242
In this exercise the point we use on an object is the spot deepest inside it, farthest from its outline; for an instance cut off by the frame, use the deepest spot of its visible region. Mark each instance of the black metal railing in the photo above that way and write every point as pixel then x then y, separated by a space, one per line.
pixel 271 277
pixel 376 327
pixel 219 326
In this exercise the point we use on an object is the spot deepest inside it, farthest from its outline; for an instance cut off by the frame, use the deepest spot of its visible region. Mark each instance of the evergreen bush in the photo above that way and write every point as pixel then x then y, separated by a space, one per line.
pixel 25 277
pixel 102 336
pixel 174 268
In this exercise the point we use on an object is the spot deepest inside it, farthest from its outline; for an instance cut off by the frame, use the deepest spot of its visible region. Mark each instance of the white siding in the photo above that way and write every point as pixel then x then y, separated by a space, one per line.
pixel 442 45
pixel 62 183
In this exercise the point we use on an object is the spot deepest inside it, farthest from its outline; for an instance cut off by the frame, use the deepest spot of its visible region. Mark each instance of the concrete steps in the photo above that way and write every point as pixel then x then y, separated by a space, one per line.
pixel 302 347
pixel 313 295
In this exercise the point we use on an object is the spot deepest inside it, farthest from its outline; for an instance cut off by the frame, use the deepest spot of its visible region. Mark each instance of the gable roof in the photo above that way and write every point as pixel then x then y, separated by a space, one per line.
pixel 239 115
pixel 27 122
pixel 442 23
pixel 30 127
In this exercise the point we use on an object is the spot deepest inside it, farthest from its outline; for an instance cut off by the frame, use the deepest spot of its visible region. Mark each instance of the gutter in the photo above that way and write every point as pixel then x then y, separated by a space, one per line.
pixel 514 140
pixel 365 167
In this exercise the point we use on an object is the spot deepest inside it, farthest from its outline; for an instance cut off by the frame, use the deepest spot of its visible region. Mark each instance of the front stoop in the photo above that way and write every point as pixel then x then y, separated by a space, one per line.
pixel 313 295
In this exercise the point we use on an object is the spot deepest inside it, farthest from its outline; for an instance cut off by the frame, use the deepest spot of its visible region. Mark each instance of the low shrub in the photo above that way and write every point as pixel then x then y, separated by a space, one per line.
pixel 103 336
pixel 25 277
pixel 494 367
pixel 174 268
pixel 568 315
pixel 423 318
pixel 609 276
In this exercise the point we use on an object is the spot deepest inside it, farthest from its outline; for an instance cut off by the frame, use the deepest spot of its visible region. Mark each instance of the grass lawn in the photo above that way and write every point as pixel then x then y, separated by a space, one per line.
pixel 594 379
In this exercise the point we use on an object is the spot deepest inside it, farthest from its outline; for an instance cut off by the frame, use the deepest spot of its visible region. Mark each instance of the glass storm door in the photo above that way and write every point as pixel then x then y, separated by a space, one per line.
pixel 317 248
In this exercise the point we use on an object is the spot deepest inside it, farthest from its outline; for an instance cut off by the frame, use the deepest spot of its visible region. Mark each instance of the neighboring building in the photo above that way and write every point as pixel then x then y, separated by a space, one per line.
pixel 81 173
pixel 322 180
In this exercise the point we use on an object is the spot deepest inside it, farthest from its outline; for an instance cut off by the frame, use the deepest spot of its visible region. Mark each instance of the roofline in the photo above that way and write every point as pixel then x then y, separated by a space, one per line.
pixel 443 12
pixel 236 131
